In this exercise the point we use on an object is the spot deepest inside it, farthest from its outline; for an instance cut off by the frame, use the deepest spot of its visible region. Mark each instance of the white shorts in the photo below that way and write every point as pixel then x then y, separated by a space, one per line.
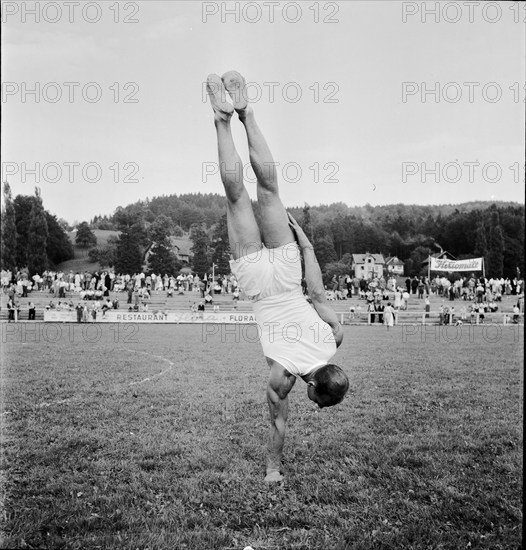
pixel 269 271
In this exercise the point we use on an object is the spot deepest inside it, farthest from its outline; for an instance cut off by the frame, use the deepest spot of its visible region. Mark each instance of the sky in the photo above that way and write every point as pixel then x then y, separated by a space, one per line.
pixel 379 102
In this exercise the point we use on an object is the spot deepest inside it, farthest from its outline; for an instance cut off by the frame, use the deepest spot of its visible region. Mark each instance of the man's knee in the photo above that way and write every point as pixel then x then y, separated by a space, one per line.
pixel 268 189
pixel 265 172
pixel 238 199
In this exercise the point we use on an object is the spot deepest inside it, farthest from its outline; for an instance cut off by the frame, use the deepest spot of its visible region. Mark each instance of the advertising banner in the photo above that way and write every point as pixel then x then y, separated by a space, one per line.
pixel 473 264
pixel 123 316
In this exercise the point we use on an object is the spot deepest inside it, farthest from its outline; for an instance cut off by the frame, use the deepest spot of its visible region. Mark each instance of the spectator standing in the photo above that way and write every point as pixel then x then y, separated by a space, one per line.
pixel 371 308
pixel 441 313
pixel 405 301
pixel 420 289
pixel 380 308
pixel 80 312
pixel 31 311
pixel 130 291
pixel 480 293
pixel 398 299
pixel 389 315
pixel 10 310
pixel 334 283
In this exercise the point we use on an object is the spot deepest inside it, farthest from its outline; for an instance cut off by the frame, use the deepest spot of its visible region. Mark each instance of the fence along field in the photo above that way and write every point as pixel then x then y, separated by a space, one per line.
pixel 159 442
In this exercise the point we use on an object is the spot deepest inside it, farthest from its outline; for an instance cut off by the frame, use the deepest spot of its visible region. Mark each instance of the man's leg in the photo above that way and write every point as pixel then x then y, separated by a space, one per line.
pixel 275 222
pixel 243 230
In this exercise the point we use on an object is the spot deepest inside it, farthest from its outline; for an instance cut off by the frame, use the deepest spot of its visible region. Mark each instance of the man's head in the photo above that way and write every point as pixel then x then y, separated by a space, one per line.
pixel 327 386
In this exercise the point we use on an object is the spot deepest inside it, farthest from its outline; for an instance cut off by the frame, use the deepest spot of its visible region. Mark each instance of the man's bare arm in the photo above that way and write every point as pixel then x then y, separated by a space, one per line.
pixel 279 386
pixel 314 282
pixel 316 292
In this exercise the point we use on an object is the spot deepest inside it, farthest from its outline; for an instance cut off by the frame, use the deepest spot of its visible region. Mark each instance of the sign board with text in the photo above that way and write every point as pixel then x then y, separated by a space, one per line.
pixel 443 264
pixel 123 316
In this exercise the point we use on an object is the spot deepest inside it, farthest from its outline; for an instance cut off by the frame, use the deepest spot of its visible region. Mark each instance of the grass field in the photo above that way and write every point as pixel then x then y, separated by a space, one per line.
pixel 154 437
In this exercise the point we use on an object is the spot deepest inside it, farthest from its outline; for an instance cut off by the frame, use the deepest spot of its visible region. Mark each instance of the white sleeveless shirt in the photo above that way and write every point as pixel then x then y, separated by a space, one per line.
pixel 292 333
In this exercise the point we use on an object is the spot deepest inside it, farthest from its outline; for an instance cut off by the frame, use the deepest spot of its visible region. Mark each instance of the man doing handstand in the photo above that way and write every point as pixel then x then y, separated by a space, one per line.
pixel 298 340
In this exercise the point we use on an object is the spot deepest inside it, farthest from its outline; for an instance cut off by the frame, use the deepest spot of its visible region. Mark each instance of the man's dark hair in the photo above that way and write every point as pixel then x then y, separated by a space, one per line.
pixel 331 384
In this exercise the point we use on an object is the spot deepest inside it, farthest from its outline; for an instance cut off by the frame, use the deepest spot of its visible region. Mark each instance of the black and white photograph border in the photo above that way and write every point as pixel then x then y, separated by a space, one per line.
pixel 262 274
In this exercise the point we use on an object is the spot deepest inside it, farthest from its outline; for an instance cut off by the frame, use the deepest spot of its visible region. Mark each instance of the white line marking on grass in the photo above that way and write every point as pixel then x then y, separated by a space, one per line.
pixel 171 365
pixel 150 378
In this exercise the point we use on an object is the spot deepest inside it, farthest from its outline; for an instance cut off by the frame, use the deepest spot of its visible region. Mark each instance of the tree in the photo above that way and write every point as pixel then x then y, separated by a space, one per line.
pixel 139 232
pixel 23 205
pixel 37 260
pixel 85 238
pixel 481 243
pixel 65 225
pixel 307 222
pixel 8 255
pixel 221 248
pixel 339 233
pixel 512 223
pixel 133 239
pixel 496 246
pixel 128 254
pixel 324 250
pixel 414 264
pixel 200 248
pixel 59 247
pixel 107 254
pixel 161 258
pixel 340 268
pixel 160 229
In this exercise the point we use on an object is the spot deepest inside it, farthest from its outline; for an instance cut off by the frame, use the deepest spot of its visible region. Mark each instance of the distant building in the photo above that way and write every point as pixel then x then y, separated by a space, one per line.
pixel 394 266
pixel 368 266
pixel 181 247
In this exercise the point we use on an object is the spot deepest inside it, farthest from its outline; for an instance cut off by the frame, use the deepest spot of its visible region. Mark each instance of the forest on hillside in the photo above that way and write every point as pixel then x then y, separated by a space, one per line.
pixel 33 238
pixel 410 232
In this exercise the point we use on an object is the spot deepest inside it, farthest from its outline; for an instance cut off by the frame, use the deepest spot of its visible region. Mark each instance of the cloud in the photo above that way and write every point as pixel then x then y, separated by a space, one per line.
pixel 42 52
pixel 168 28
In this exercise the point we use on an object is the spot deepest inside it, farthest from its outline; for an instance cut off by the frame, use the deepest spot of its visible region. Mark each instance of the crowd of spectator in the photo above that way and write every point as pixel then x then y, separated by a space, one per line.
pixel 466 288
pixel 98 284
pixel 483 295
pixel 94 288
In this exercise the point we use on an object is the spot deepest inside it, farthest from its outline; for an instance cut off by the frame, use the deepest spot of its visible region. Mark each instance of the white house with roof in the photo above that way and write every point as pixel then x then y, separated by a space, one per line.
pixel 394 265
pixel 368 266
